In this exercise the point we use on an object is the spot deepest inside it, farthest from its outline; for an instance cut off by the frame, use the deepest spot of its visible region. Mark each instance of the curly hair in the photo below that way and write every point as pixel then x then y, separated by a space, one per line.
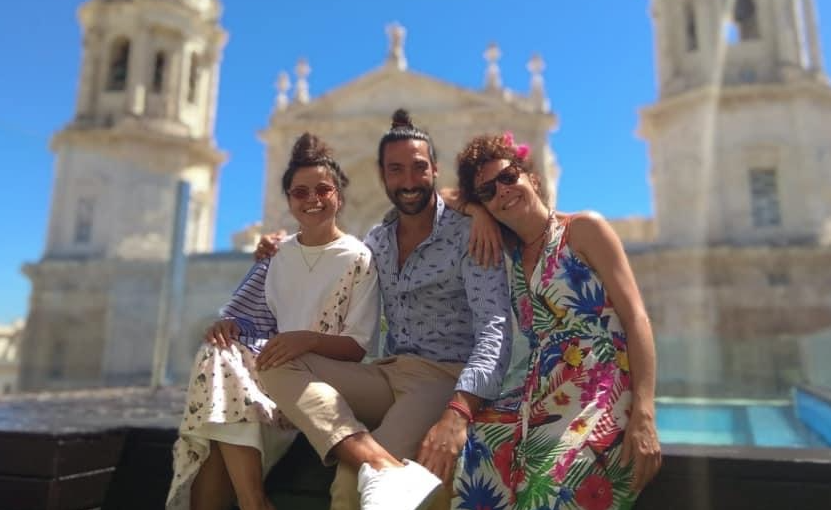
pixel 481 150
pixel 309 150
pixel 402 128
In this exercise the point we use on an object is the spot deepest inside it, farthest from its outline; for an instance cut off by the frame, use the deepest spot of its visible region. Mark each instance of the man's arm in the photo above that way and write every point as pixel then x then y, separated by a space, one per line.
pixel 489 300
pixel 249 310
pixel 481 378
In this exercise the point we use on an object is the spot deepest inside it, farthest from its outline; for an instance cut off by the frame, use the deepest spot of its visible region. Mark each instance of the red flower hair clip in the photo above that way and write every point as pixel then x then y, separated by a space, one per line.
pixel 522 150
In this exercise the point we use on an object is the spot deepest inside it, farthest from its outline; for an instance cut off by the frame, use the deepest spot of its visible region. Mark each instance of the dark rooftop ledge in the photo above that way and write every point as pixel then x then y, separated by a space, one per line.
pixel 92 410
pixel 749 452
pixel 110 448
pixel 774 461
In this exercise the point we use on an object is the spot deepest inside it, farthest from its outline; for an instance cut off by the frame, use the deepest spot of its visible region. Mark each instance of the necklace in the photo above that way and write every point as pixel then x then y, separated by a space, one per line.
pixel 546 230
pixel 311 266
pixel 306 261
pixel 543 234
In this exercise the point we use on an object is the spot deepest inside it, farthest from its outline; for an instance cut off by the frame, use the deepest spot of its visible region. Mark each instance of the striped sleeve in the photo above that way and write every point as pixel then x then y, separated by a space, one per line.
pixel 489 300
pixel 248 308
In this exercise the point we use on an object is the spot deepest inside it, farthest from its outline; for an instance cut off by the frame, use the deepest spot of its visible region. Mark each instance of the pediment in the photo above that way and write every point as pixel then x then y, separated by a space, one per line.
pixel 381 91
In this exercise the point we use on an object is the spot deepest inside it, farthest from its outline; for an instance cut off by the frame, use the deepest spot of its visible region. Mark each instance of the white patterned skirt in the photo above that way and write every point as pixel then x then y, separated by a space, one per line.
pixel 225 402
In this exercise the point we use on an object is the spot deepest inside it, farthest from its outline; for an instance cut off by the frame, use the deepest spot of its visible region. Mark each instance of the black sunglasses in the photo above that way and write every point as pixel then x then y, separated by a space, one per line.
pixel 321 190
pixel 507 176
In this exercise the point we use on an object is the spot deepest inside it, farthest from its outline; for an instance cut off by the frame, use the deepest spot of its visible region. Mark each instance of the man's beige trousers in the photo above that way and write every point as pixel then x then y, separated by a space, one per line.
pixel 398 399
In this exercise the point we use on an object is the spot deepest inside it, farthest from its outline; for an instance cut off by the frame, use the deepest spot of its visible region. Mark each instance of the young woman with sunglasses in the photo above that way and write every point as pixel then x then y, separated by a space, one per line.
pixel 579 431
pixel 317 294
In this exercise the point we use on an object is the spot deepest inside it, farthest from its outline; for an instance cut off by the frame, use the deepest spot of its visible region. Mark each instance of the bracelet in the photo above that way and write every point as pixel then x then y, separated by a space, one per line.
pixel 461 409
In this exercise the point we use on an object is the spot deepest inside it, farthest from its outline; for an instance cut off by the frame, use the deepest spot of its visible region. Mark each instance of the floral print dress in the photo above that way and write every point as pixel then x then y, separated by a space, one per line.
pixel 226 399
pixel 555 442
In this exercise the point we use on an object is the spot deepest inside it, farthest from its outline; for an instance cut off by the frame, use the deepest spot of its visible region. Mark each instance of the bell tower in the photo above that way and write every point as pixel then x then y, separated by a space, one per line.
pixel 737 137
pixel 144 119
pixel 704 42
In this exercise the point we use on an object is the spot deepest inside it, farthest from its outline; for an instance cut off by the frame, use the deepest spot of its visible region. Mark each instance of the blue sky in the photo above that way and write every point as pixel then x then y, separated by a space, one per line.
pixel 599 72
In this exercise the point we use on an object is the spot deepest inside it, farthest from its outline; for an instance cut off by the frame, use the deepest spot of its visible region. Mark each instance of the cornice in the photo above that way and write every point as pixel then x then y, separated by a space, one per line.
pixel 172 15
pixel 197 151
pixel 725 97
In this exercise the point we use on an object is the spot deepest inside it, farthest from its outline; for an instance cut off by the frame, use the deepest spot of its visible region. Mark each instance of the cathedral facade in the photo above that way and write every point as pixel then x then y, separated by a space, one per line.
pixel 733 266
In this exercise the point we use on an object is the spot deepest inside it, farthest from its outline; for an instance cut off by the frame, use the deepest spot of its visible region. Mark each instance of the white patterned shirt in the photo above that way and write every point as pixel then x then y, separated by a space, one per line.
pixel 441 305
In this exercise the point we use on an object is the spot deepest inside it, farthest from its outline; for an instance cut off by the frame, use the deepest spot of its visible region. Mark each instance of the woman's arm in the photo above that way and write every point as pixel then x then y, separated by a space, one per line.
pixel 485 244
pixel 594 241
pixel 284 347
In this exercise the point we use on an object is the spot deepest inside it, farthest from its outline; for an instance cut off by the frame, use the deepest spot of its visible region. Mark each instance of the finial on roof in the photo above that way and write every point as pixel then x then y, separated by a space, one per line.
pixel 536 66
pixel 301 86
pixel 493 79
pixel 395 56
pixel 283 85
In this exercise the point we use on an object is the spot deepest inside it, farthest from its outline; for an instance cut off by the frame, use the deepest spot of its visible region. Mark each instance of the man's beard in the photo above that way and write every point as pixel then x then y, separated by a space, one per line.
pixel 412 208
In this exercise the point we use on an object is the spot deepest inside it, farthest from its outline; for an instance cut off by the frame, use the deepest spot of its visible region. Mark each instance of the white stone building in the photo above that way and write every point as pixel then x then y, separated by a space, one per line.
pixel 740 155
pixel 144 120
pixel 733 267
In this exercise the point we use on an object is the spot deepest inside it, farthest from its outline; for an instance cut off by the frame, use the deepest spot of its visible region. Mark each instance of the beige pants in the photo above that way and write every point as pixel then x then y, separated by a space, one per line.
pixel 397 398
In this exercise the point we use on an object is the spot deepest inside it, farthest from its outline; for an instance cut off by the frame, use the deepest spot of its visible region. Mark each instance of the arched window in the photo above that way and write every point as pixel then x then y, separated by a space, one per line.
pixel 119 59
pixel 158 72
pixel 691 27
pixel 193 77
pixel 747 21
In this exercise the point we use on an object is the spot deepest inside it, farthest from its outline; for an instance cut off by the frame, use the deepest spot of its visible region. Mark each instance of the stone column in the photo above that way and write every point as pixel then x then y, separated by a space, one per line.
pixel 173 98
pixel 545 162
pixel 212 68
pixel 788 35
pixel 812 37
pixel 710 41
pixel 276 213
pixel 663 47
pixel 137 74
pixel 89 75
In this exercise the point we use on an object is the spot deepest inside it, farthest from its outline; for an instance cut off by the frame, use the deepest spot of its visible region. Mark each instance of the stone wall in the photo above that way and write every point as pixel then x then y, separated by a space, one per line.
pixel 94 321
pixel 728 320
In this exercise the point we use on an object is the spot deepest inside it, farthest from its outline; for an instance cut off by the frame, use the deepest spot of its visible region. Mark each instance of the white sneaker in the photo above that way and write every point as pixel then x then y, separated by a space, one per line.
pixel 410 487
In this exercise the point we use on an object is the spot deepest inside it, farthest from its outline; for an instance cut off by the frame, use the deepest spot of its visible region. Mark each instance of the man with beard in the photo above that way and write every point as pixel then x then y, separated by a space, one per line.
pixel 447 349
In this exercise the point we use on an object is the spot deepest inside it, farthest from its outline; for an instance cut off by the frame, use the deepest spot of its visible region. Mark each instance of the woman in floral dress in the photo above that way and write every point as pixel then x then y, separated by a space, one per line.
pixel 579 433
pixel 321 289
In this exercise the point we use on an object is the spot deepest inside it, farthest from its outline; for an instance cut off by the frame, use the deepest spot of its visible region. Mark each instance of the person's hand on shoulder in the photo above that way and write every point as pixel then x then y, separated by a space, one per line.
pixel 269 245
pixel 485 244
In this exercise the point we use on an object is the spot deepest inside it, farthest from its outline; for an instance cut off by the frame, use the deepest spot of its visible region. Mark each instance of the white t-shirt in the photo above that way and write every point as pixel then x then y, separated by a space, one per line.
pixel 302 280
